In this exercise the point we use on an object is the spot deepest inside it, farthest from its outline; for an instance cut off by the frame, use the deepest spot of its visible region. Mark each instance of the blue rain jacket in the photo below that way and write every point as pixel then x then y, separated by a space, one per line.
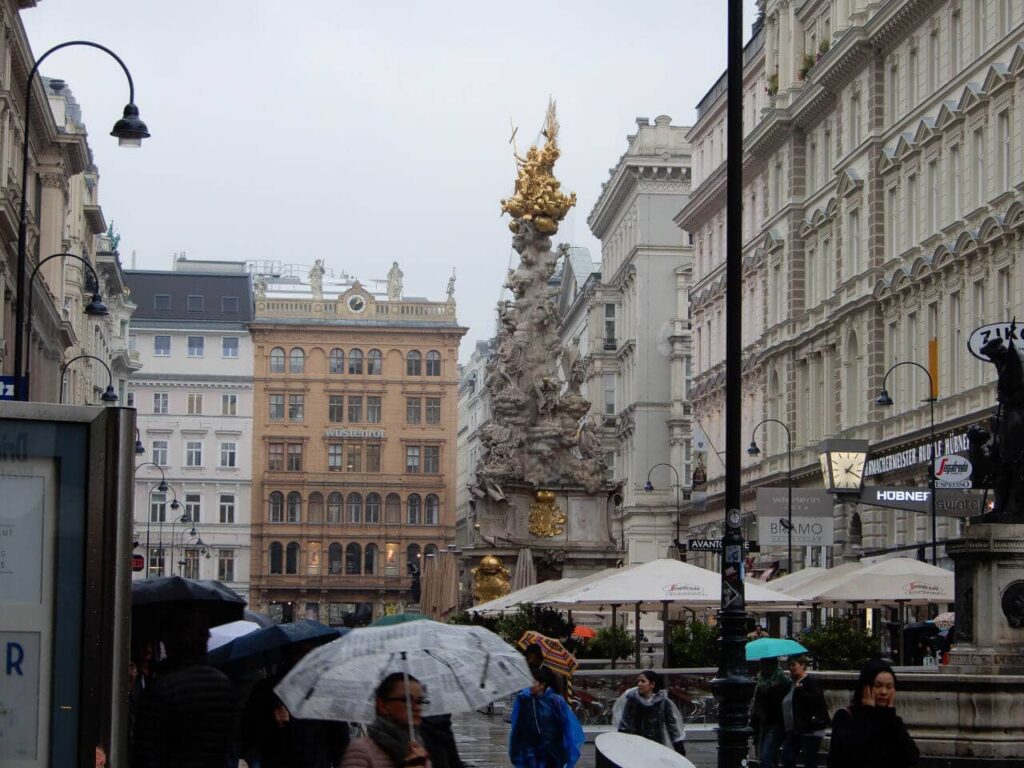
pixel 545 733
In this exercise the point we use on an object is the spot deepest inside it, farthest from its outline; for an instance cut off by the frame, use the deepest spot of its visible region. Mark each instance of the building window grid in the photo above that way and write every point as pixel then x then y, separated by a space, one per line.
pixel 160 401
pixel 226 565
pixel 413 410
pixel 355 458
pixel 229 405
pixel 158 508
pixel 229 346
pixel 374 362
pixel 196 346
pixel 228 455
pixel 275 457
pixel 355 409
pixel 373 408
pixel 194 453
pixel 226 508
pixel 412 459
pixel 294 457
pixel 413 362
pixel 433 363
pixel 433 410
pixel 161 346
pixel 193 507
pixel 336 361
pixel 277 360
pixel 195 404
pixel 158 451
pixel 431 459
pixel 296 404
pixel 276 407
pixel 1005 150
pixel 334 454
pixel 296 361
pixel 355 362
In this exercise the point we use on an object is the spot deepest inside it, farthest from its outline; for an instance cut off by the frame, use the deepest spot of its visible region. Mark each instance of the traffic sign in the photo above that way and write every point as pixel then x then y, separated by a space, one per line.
pixel 138 563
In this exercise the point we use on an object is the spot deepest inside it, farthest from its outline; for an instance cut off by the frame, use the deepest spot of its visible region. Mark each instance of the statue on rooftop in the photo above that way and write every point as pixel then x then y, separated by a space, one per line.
pixel 316 280
pixel 395 276
pixel 451 286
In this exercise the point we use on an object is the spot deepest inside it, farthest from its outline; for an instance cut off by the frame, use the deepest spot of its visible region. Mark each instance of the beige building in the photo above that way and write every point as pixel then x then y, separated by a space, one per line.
pixel 354 444
pixel 883 208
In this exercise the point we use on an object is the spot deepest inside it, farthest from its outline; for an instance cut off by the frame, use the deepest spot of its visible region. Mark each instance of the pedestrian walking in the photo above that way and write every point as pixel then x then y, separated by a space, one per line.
pixel 646 710
pixel 186 714
pixel 545 733
pixel 399 701
pixel 869 732
pixel 534 655
pixel 771 688
pixel 805 716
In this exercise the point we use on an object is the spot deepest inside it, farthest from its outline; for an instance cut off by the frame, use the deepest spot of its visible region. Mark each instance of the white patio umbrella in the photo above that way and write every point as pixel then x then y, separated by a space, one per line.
pixel 657 582
pixel 530 594
pixel 461 668
pixel 808 583
pixel 899 580
pixel 225 633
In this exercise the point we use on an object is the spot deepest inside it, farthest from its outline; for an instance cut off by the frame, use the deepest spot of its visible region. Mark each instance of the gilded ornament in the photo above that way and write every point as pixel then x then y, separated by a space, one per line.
pixel 546 519
pixel 490 580
pixel 538 197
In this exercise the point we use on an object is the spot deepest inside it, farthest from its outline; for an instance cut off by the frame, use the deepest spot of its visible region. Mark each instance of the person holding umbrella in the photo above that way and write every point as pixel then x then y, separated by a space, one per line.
pixel 400 699
pixel 545 733
pixel 766 715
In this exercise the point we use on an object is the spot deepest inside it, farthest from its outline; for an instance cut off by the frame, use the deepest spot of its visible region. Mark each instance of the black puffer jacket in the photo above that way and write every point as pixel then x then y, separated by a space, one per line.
pixel 185 719
pixel 810 712
pixel 871 736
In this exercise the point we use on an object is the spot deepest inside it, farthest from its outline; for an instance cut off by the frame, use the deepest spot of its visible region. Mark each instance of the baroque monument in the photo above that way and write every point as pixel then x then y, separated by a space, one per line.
pixel 541 481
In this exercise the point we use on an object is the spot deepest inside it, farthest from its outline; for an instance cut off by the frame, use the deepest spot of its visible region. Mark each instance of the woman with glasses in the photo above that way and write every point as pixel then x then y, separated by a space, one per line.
pixel 399 700
pixel 545 733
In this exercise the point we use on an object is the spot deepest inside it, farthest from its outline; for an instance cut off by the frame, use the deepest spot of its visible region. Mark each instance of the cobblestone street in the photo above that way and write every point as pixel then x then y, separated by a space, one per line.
pixel 483 741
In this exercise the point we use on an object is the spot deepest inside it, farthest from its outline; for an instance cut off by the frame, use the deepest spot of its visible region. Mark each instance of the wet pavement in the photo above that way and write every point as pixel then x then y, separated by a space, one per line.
pixel 483 741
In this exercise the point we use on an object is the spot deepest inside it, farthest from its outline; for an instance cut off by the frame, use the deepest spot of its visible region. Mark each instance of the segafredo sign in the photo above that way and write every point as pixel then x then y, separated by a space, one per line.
pixel 953 472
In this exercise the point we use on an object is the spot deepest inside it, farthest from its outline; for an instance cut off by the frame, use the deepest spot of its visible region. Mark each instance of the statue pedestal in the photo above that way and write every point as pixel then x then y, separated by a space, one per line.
pixel 989 600
pixel 568 531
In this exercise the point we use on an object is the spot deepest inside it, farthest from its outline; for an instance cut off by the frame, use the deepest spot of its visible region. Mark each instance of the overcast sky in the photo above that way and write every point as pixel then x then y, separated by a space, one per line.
pixel 367 132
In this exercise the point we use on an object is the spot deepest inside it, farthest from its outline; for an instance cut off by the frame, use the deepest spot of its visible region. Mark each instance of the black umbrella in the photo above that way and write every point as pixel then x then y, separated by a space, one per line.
pixel 269 646
pixel 258 618
pixel 161 602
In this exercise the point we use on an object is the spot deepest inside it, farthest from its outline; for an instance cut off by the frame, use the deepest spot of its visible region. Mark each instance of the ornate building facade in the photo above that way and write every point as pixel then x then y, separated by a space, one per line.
pixel 883 172
pixel 637 338
pixel 354 443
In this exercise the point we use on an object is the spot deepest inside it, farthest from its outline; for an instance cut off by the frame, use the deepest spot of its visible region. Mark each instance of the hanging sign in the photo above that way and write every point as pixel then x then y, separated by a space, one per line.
pixel 1006 331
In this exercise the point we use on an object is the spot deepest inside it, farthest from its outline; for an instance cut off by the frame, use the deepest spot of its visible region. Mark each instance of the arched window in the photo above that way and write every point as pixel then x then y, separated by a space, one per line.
pixel 291 559
pixel 277 507
pixel 430 549
pixel 294 507
pixel 431 509
pixel 393 509
pixel 316 508
pixel 334 508
pixel 413 507
pixel 373 508
pixel 334 558
pixel 374 362
pixel 355 361
pixel 370 560
pixel 412 363
pixel 433 363
pixel 337 361
pixel 353 556
pixel 856 530
pixel 277 360
pixel 276 557
pixel 771 438
pixel 296 361
pixel 412 557
pixel 852 392
pixel 355 508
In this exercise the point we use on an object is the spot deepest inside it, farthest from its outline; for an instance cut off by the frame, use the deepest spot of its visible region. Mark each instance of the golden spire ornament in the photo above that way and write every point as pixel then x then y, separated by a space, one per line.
pixel 538 197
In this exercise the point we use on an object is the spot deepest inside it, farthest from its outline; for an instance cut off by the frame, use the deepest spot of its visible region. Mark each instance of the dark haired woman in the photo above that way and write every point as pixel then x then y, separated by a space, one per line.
pixel 869 732
pixel 545 733
pixel 804 716
pixel 647 711
pixel 400 700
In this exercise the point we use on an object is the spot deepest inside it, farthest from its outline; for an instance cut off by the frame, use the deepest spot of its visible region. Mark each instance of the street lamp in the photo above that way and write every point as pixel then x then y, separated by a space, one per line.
pixel 648 488
pixel 139 447
pixel 885 401
pixel 129 131
pixel 753 450
pixel 163 487
pixel 108 396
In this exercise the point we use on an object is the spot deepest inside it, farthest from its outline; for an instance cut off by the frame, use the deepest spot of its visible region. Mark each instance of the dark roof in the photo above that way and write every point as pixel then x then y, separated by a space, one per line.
pixel 179 286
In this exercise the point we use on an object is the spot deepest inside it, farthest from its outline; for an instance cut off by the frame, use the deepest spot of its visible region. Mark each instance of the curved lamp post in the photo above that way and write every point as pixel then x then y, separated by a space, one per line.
pixel 108 396
pixel 885 401
pixel 648 488
pixel 129 131
pixel 163 487
pixel 139 447
pixel 753 450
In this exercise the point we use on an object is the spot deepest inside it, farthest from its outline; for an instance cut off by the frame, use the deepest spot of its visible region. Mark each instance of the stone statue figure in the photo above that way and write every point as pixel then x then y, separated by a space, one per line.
pixel 259 284
pixel 316 279
pixel 1005 451
pixel 451 286
pixel 114 238
pixel 395 276
pixel 587 441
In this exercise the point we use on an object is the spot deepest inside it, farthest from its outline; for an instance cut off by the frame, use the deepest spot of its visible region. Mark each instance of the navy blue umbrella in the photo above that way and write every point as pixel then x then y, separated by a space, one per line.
pixel 168 600
pixel 269 646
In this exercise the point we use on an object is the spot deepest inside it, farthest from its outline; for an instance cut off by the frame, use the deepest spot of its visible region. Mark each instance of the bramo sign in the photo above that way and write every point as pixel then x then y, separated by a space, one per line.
pixel 812 517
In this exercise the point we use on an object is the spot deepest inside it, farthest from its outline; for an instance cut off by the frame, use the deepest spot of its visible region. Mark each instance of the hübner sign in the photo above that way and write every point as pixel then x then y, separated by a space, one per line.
pixel 354 433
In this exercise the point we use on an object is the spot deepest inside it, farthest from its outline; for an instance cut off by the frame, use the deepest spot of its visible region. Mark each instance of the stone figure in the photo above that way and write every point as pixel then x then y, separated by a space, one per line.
pixel 587 441
pixel 259 284
pixel 574 367
pixel 316 280
pixel 395 276
pixel 451 286
pixel 1006 448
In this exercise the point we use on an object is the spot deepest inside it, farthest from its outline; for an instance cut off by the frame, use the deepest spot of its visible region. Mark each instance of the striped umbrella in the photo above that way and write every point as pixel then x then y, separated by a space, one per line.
pixel 556 657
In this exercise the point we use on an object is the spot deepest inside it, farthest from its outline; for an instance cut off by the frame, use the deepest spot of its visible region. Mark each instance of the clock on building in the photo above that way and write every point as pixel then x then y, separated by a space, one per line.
pixel 356 303
pixel 842 464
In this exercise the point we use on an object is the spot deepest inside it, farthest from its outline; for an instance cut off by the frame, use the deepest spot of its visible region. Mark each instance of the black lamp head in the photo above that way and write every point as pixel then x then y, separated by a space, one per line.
pixel 96 307
pixel 753 450
pixel 175 504
pixel 139 447
pixel 130 130
pixel 648 487
pixel 110 396
pixel 883 398
pixel 162 487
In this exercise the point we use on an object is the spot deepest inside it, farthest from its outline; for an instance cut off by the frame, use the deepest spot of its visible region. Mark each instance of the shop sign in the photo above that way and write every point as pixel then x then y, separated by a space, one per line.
pixel 920 454
pixel 1006 331
pixel 812 517
pixel 953 472
pixel 354 433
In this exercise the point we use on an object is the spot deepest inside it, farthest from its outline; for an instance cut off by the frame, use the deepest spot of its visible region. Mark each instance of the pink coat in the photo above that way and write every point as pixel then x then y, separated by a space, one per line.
pixel 364 753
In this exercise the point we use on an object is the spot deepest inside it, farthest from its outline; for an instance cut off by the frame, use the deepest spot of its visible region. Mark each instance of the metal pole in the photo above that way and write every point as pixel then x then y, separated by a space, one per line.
pixel 615 627
pixel 789 501
pixel 732 687
pixel 931 468
pixel 636 630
